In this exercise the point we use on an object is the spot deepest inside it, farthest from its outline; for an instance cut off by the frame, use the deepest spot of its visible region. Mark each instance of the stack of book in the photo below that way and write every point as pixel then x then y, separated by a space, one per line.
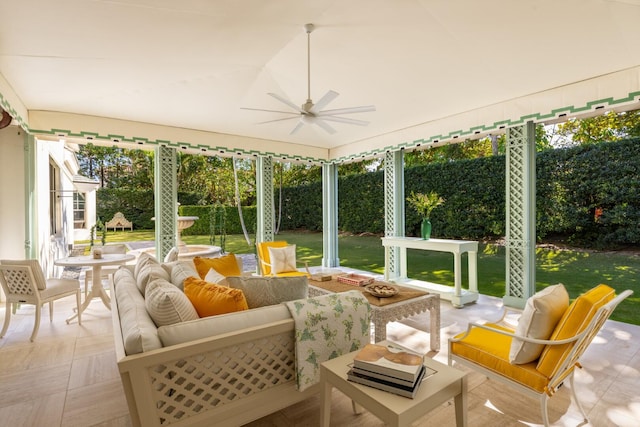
pixel 390 369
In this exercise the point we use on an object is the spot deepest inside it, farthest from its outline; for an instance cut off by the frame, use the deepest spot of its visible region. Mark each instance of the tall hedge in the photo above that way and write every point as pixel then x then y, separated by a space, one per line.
pixel 588 194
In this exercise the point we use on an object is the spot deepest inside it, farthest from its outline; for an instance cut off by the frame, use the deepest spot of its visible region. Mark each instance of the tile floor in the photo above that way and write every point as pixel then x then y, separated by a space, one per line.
pixel 69 377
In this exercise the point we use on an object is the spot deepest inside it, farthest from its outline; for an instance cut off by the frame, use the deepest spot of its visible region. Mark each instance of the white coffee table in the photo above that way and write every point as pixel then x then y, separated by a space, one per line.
pixel 447 383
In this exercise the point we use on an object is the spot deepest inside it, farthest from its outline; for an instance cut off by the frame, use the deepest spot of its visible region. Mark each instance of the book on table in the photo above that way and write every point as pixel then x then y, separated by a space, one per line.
pixel 389 386
pixel 374 376
pixel 388 360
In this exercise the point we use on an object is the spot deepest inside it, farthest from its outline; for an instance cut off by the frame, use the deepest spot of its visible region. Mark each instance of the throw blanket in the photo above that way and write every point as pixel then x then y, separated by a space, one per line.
pixel 326 327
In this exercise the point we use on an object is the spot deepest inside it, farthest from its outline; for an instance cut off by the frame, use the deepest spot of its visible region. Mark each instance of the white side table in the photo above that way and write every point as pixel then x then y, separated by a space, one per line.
pixel 447 383
pixel 457 295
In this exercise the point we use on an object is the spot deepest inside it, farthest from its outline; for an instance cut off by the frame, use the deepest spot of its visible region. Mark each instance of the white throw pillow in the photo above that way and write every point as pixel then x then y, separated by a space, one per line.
pixel 146 273
pixel 143 260
pixel 214 277
pixel 180 270
pixel 283 259
pixel 541 314
pixel 263 291
pixel 167 304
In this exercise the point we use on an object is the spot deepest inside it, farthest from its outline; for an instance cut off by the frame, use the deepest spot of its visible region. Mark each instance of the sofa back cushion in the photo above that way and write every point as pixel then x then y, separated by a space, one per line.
pixel 575 320
pixel 539 318
pixel 139 332
pixel 262 291
pixel 216 325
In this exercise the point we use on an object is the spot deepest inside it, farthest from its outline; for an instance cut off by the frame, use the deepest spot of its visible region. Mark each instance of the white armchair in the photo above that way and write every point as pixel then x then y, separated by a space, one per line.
pixel 23 282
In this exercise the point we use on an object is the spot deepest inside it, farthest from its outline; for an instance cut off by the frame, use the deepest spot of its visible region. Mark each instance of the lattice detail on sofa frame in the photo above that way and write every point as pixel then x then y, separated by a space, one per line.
pixel 192 385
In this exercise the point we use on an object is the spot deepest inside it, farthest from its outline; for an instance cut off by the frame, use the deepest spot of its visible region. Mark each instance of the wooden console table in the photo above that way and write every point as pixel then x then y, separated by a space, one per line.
pixel 456 295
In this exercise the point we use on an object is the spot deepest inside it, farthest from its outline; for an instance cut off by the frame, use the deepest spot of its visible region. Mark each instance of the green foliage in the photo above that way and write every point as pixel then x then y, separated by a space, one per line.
pixel 424 204
pixel 98 226
pixel 231 219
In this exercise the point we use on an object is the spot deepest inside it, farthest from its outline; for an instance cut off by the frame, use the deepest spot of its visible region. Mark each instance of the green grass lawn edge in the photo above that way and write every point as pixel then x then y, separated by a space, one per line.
pixel 578 270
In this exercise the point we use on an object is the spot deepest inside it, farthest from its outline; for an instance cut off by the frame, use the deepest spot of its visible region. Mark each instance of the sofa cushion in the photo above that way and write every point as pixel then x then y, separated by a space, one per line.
pixel 143 259
pixel 217 325
pixel 283 260
pixel 167 304
pixel 139 332
pixel 539 318
pixel 145 274
pixel 210 299
pixel 576 318
pixel 225 265
pixel 262 291
pixel 180 270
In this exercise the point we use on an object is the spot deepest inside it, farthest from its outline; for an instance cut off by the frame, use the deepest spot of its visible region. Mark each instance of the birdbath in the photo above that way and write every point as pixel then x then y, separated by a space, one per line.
pixel 184 222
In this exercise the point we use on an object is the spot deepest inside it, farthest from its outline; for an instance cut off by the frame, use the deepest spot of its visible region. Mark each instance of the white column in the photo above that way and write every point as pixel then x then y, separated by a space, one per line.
pixel 394 224
pixel 264 195
pixel 520 215
pixel 330 215
pixel 166 200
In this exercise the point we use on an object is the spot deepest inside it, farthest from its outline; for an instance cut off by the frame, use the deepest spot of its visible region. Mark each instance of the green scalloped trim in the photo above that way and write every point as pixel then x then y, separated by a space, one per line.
pixel 456 134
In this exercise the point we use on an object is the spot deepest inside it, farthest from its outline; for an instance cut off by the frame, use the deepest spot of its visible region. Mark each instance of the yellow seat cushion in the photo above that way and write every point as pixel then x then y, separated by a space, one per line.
pixel 491 350
pixel 210 299
pixel 574 321
pixel 226 265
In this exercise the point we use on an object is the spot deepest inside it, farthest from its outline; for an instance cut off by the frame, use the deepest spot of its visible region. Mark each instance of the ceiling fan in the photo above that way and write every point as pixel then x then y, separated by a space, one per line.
pixel 310 113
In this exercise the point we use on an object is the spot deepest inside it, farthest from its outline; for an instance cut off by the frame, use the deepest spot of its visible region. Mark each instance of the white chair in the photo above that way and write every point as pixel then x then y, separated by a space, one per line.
pixel 106 270
pixel 23 282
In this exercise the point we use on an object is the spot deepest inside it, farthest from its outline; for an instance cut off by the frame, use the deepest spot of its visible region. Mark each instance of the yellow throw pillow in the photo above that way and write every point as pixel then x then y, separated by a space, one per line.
pixel 225 265
pixel 210 299
pixel 574 321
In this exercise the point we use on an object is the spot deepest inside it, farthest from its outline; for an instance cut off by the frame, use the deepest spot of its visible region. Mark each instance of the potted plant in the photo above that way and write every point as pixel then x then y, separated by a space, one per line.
pixel 424 204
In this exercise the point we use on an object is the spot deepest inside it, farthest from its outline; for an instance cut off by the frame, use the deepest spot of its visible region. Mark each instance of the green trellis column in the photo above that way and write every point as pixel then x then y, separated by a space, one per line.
pixel 166 200
pixel 30 196
pixel 330 215
pixel 520 215
pixel 264 194
pixel 394 222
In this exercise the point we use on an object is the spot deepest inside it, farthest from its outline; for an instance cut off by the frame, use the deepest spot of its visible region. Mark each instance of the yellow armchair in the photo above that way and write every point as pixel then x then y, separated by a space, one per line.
pixel 268 267
pixel 486 347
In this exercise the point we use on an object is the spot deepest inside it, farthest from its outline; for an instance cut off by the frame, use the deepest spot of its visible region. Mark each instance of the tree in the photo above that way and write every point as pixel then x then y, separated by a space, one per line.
pixel 608 127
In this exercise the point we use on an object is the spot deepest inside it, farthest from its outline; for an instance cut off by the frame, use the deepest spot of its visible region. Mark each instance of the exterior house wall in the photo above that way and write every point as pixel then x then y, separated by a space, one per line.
pixel 12 193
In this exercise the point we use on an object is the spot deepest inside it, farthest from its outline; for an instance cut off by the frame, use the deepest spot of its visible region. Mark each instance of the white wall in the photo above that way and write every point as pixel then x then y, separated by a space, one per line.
pixel 12 193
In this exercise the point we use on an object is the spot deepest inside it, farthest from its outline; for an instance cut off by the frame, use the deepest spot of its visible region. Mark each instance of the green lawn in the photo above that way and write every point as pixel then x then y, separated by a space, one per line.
pixel 577 270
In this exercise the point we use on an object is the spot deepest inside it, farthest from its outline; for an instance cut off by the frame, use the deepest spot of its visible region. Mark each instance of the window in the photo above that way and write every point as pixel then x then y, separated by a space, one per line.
pixel 55 204
pixel 78 209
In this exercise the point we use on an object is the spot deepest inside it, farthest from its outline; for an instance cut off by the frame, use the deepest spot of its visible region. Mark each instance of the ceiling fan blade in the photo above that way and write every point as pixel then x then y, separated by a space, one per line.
pixel 324 125
pixel 324 101
pixel 280 120
pixel 287 102
pixel 297 127
pixel 345 120
pixel 362 109
pixel 269 111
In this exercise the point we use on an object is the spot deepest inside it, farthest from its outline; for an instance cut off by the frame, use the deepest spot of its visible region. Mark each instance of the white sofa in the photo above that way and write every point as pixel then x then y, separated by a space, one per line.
pixel 223 370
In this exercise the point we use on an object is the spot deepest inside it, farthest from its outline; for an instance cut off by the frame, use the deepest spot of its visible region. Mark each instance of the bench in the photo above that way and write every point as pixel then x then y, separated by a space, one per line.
pixel 119 221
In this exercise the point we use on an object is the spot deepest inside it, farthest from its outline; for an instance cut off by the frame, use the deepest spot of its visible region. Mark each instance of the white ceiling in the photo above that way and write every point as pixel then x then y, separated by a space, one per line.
pixel 193 64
